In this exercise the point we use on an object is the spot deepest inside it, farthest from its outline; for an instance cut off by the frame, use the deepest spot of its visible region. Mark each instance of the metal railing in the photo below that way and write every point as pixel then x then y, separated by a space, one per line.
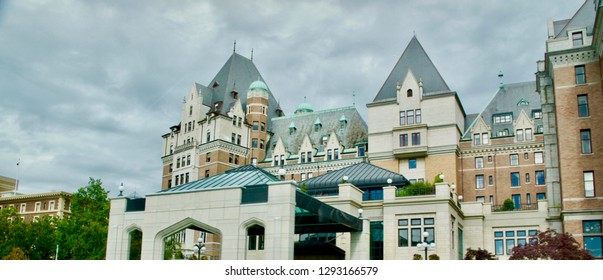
pixel 521 207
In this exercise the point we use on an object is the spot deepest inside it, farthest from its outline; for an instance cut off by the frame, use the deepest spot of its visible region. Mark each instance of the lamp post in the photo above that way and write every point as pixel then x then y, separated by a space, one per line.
pixel 199 247
pixel 121 189
pixel 281 173
pixel 425 244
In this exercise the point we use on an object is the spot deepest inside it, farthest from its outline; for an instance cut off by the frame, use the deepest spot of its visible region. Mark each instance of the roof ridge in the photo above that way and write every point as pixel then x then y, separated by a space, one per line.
pixel 571 20
pixel 316 112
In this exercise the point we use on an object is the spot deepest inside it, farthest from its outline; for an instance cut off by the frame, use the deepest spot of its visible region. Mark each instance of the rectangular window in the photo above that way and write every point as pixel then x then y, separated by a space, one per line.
pixel 234 120
pixel 263 126
pixel 479 181
pixel 50 206
pixel 502 118
pixel 233 138
pixel 476 139
pixel 480 199
pixel 540 196
pixel 515 179
pixel 240 121
pixel 499 247
pixel 538 159
pixel 402 118
pixel 309 156
pixel 403 237
pixel 336 154
pixel 528 200
pixel 230 158
pixel 255 126
pixel 537 114
pixel 589 184
pixel 529 135
pixel 585 140
pixel 403 222
pixel 329 154
pixel 577 39
pixel 527 178
pixel 416 139
pixel 490 180
pixel 403 140
pixel 410 118
pixel 418 115
pixel 412 163
pixel 592 237
pixel 302 158
pixel 261 144
pixel 303 176
pixel 38 207
pixel 485 138
pixel 416 236
pixel 516 200
pixel 208 157
pixel 526 156
pixel 489 158
pixel 514 158
pixel 510 245
pixel 519 134
pixel 580 74
pixel 582 106
pixel 540 177
pixel 415 222
pixel 237 159
pixel 479 162
pixel 254 143
pixel 282 160
pixel 238 139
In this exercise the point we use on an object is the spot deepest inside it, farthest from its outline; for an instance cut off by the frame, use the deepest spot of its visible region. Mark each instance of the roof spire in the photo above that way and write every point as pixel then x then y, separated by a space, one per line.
pixel 354 98
pixel 234 48
pixel 305 99
pixel 251 54
pixel 500 77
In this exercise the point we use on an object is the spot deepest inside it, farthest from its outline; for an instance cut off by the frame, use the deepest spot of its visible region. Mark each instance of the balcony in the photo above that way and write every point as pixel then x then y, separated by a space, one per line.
pixel 410 152
pixel 521 207
pixel 184 147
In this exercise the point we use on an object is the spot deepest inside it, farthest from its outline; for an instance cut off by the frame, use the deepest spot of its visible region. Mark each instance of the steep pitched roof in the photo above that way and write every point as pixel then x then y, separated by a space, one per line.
pixel 362 175
pixel 507 100
pixel 584 17
pixel 413 58
pixel 247 175
pixel 304 124
pixel 237 73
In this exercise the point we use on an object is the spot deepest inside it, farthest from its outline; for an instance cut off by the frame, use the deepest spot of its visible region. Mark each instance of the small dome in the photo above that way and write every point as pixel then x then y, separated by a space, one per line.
pixel 304 108
pixel 258 85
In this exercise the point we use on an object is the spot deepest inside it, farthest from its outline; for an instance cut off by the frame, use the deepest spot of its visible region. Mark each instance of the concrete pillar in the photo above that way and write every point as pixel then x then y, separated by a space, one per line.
pixel 360 242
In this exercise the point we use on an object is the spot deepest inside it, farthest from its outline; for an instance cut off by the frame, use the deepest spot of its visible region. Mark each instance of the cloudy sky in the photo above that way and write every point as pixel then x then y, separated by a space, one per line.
pixel 87 88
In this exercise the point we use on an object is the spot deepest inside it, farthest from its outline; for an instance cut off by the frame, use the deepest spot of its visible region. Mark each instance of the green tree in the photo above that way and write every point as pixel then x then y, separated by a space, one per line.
pixel 508 205
pixel 15 254
pixel 83 235
pixel 11 229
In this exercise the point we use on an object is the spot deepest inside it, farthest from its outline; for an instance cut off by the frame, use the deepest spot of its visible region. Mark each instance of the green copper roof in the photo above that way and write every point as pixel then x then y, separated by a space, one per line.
pixel 304 107
pixel 247 175
pixel 258 85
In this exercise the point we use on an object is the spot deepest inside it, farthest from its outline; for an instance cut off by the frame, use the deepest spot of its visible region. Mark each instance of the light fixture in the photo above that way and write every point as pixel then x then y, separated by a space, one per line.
pixel 360 211
pixel 389 181
pixel 452 187
pixel 460 197
pixel 345 178
pixel 281 173
pixel 121 189
pixel 442 176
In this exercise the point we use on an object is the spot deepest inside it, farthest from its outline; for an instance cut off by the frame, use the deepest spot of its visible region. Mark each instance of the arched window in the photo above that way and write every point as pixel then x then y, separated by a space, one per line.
pixel 255 237
pixel 409 93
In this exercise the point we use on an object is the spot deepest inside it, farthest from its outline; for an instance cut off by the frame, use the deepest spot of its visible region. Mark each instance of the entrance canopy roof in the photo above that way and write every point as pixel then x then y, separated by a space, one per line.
pixel 311 215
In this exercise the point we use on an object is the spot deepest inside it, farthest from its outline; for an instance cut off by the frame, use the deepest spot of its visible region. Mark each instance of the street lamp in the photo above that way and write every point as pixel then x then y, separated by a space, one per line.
pixel 345 178
pixel 424 244
pixel 121 189
pixel 199 247
pixel 281 173
pixel 360 211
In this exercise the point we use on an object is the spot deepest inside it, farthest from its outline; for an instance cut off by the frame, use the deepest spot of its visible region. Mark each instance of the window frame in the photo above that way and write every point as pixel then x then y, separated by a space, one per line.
pixel 586 142
pixel 589 184
pixel 583 106
pixel 580 74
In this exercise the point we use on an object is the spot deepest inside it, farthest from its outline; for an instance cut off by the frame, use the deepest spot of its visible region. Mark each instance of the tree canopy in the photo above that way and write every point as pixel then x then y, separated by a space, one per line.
pixel 551 245
pixel 81 236
pixel 479 254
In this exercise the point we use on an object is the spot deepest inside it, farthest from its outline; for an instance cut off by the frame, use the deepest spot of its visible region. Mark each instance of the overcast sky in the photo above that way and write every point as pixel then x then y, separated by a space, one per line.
pixel 87 88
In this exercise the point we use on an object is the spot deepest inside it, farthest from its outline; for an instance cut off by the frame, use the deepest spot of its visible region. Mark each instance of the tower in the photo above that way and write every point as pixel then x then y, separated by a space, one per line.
pixel 257 116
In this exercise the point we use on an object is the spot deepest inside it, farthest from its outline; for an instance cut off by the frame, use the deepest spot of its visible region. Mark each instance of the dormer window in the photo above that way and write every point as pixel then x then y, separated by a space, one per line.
pixel 577 39
pixel 292 128
pixel 409 93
